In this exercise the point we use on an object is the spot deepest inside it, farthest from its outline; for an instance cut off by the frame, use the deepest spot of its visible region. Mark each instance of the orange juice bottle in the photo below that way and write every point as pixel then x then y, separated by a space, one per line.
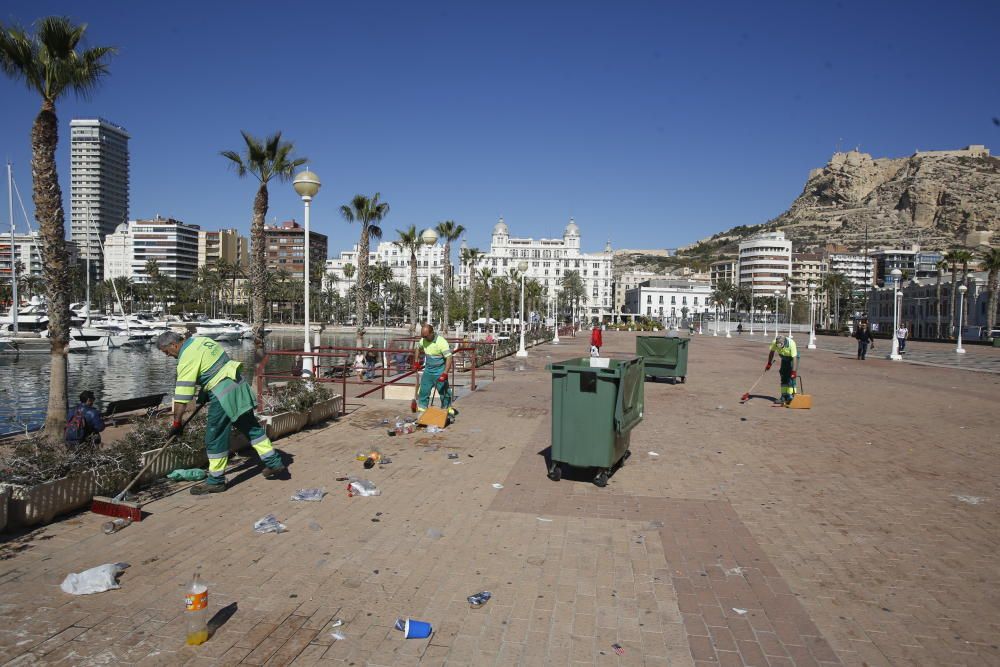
pixel 196 602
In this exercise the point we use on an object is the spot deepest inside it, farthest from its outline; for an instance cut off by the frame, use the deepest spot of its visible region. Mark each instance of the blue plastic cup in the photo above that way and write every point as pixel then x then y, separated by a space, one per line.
pixel 415 629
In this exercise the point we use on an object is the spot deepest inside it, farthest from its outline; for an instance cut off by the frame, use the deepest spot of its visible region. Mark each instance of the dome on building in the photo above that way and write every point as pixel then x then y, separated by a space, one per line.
pixel 571 229
pixel 122 228
pixel 500 228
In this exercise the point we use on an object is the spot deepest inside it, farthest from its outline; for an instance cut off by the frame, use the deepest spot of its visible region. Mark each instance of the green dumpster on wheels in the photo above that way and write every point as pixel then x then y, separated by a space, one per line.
pixel 664 357
pixel 595 405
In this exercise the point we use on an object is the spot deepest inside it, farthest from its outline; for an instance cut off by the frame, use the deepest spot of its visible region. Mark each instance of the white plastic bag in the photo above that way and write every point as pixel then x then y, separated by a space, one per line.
pixel 363 487
pixel 269 524
pixel 310 495
pixel 95 580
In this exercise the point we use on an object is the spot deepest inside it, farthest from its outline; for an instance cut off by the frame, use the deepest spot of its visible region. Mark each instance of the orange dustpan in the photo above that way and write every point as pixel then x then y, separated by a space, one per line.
pixel 433 416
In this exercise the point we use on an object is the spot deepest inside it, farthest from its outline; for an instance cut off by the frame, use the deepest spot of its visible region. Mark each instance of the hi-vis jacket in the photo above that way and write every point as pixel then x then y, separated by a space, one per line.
pixel 202 362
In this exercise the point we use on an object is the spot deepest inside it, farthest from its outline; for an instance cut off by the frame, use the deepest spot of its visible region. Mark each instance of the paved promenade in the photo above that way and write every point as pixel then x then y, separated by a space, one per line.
pixel 862 532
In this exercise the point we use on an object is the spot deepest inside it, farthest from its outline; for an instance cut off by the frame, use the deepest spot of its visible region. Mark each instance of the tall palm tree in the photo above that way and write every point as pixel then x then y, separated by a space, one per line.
pixel 409 242
pixel 448 231
pixel 369 212
pixel 469 258
pixel 267 160
pixel 835 285
pixel 514 291
pixel 991 263
pixel 941 266
pixel 486 280
pixel 50 64
pixel 573 289
pixel 953 259
pixel 964 256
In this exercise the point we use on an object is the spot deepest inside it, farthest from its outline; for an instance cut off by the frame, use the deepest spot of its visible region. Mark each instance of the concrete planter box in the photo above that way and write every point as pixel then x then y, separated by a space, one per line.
pixel 170 461
pixel 29 506
pixel 4 497
pixel 286 423
pixel 325 410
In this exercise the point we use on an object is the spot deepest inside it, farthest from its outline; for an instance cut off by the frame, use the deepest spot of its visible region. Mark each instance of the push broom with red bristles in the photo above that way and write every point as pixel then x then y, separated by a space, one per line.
pixel 746 397
pixel 120 508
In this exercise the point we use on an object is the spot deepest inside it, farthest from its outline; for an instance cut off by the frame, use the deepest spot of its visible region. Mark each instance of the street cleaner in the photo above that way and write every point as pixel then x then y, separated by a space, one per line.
pixel 788 371
pixel 434 356
pixel 202 362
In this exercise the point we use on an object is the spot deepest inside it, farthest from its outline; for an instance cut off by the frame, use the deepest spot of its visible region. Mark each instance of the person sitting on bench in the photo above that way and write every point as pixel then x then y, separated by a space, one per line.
pixel 84 421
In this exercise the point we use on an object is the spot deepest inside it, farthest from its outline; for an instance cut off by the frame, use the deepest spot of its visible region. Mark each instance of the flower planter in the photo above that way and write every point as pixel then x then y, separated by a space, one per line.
pixel 31 505
pixel 324 410
pixel 171 460
pixel 286 423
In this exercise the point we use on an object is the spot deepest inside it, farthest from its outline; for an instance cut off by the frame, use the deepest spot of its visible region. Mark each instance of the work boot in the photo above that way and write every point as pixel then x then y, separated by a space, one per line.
pixel 207 487
pixel 452 412
pixel 272 473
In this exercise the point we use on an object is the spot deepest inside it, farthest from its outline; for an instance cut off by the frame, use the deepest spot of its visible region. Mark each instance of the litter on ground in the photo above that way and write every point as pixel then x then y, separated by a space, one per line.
pixel 269 524
pixel 95 580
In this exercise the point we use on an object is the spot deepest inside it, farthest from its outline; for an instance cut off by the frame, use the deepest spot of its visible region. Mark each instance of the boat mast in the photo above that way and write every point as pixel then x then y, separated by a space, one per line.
pixel 87 323
pixel 13 258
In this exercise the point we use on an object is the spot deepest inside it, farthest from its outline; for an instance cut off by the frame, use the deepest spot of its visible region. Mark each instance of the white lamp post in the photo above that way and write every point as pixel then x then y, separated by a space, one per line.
pixel 962 289
pixel 306 184
pixel 777 309
pixel 729 316
pixel 894 353
pixel 812 322
pixel 429 238
pixel 715 329
pixel 555 316
pixel 523 268
pixel 751 303
pixel 764 313
pixel 789 295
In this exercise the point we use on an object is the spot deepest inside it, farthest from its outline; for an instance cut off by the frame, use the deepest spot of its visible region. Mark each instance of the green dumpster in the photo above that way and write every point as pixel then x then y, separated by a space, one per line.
pixel 594 410
pixel 664 357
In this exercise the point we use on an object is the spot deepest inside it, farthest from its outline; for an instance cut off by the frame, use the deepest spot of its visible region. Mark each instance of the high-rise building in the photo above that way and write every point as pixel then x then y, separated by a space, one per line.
pixel 765 263
pixel 549 260
pixel 807 268
pixel 27 251
pixel 173 244
pixel 722 270
pixel 856 267
pixel 227 245
pixel 284 248
pixel 99 185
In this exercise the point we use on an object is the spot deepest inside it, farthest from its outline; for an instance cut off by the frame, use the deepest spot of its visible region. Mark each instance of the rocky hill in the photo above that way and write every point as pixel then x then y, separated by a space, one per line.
pixel 940 199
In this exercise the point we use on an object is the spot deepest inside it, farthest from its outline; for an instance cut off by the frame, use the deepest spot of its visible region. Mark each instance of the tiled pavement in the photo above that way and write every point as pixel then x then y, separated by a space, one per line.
pixel 848 534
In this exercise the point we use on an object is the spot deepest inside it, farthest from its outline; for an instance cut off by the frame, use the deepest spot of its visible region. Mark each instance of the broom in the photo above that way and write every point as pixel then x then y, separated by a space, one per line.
pixel 416 388
pixel 746 397
pixel 119 507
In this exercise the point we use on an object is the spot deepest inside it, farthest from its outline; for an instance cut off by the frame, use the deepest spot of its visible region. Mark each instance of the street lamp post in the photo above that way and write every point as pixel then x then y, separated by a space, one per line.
pixel 523 268
pixel 715 329
pixel 751 303
pixel 555 317
pixel 306 185
pixel 789 295
pixel 777 309
pixel 764 313
pixel 729 316
pixel 812 321
pixel 894 353
pixel 429 238
pixel 962 289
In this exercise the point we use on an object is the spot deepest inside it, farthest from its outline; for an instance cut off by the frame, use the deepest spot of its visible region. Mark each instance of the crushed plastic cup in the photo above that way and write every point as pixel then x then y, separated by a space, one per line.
pixel 362 487
pixel 433 429
pixel 269 524
pixel 414 629
pixel 479 599
pixel 309 495
pixel 95 580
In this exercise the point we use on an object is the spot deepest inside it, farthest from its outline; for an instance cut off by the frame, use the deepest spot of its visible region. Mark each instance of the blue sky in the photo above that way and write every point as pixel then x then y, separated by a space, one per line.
pixel 654 124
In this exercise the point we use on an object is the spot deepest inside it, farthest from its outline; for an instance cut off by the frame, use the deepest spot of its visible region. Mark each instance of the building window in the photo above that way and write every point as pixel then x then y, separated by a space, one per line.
pixel 684 300
pixel 661 298
pixel 673 300
pixel 649 298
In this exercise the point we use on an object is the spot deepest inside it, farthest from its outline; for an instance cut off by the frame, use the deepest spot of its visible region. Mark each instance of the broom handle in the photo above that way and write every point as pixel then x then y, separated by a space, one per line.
pixel 156 457
pixel 754 386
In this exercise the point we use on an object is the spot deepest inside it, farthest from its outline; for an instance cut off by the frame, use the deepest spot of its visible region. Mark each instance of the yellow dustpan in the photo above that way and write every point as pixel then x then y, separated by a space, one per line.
pixel 800 401
pixel 433 416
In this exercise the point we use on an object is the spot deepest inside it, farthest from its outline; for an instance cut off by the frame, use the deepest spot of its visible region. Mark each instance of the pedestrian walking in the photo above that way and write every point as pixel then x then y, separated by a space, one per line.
pixel 201 362
pixel 84 422
pixel 901 334
pixel 865 339
pixel 788 371
pixel 596 340
pixel 435 359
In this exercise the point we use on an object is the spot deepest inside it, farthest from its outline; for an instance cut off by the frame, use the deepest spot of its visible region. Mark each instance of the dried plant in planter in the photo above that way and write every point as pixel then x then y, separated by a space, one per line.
pixel 296 396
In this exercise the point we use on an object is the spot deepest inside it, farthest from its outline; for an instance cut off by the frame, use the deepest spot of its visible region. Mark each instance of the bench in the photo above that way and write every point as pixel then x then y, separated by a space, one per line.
pixel 151 404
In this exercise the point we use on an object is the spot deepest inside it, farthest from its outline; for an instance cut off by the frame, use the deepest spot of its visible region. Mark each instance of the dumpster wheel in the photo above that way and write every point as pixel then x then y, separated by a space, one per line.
pixel 555 472
pixel 602 479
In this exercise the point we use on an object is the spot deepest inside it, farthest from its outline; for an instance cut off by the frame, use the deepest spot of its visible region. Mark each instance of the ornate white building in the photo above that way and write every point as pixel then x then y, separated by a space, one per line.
pixel 386 252
pixel 548 261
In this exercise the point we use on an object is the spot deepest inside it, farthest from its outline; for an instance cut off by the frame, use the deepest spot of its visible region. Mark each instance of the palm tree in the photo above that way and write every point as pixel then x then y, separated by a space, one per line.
pixel 49 64
pixel 369 212
pixel 835 284
pixel 486 279
pixel 449 231
pixel 941 266
pixel 265 160
pixel 573 289
pixel 409 241
pixel 964 256
pixel 991 263
pixel 469 258
pixel 953 259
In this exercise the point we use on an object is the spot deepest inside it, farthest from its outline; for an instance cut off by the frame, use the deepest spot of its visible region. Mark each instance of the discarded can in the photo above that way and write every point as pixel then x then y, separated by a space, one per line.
pixel 479 599
pixel 452 455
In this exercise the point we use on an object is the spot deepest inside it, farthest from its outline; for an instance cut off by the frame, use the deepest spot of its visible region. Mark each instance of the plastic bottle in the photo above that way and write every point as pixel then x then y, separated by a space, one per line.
pixel 196 601
pixel 116 525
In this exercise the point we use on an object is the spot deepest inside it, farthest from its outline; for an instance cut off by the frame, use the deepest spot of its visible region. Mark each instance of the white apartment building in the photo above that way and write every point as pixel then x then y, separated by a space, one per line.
pixel 429 259
pixel 860 270
pixel 722 270
pixel 665 298
pixel 27 251
pixel 765 263
pixel 548 261
pixel 118 253
pixel 172 243
pixel 99 184
pixel 807 268
pixel 626 281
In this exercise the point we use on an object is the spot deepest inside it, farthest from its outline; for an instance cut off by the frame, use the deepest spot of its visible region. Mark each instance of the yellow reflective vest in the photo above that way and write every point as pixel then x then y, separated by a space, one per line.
pixel 202 362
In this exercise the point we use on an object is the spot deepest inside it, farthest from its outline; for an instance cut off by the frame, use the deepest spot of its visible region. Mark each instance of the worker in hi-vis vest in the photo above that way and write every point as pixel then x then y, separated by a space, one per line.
pixel 789 354
pixel 434 356
pixel 203 363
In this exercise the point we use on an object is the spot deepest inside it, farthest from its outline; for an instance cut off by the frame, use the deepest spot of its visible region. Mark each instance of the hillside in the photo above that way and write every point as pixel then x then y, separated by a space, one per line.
pixel 939 199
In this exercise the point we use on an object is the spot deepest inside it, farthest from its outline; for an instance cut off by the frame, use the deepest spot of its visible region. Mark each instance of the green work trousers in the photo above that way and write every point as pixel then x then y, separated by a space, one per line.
pixel 217 432
pixel 429 380
pixel 787 383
